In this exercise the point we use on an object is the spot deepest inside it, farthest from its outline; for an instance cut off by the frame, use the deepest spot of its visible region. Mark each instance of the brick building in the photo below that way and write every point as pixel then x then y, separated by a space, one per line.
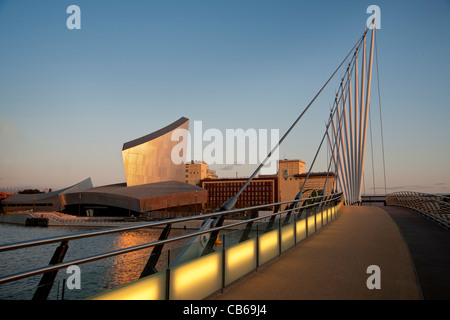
pixel 283 186
pixel 259 191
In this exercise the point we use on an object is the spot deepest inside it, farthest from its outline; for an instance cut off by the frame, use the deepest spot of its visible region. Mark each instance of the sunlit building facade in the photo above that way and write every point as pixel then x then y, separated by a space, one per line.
pixel 149 159
pixel 195 172
pixel 291 179
pixel 154 182
pixel 259 191
pixel 283 186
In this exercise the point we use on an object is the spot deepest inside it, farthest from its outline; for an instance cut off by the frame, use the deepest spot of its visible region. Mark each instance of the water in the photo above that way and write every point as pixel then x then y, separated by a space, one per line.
pixel 96 276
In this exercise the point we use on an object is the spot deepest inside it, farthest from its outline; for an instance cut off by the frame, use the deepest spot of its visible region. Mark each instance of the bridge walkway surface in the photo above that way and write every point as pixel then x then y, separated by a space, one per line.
pixel 429 244
pixel 332 264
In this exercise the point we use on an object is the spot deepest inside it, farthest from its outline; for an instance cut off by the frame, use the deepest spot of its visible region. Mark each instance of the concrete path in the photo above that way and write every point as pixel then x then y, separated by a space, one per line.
pixel 332 264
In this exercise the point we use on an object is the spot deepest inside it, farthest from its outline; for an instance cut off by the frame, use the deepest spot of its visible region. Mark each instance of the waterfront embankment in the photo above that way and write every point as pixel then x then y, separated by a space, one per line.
pixel 61 219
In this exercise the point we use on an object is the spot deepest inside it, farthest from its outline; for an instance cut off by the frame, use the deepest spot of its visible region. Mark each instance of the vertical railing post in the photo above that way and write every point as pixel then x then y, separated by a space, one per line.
pixel 279 235
pixel 321 215
pixel 294 216
pixel 315 218
pixel 257 247
pixel 168 276
pixel 63 289
pixel 306 223
pixel 223 262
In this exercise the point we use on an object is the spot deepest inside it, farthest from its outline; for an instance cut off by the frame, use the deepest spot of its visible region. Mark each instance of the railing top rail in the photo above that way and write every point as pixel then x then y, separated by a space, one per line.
pixel 421 195
pixel 436 207
pixel 44 241
pixel 29 273
pixel 417 193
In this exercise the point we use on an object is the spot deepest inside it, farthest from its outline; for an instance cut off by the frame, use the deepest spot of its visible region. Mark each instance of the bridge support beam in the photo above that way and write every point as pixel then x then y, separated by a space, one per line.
pixel 46 283
pixel 150 267
pixel 248 226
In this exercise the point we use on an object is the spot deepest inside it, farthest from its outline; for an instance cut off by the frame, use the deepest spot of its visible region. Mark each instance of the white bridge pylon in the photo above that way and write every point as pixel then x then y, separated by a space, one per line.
pixel 347 126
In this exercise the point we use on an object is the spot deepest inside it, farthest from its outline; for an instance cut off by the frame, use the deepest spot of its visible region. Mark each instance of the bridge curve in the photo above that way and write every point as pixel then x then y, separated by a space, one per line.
pixel 429 245
pixel 332 264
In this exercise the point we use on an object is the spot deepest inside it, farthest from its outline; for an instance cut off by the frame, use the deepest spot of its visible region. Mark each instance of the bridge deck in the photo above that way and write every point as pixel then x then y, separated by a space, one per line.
pixel 332 263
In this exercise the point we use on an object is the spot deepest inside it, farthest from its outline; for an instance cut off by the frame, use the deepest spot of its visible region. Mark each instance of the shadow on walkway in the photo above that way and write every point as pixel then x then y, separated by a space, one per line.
pixel 429 245
pixel 333 264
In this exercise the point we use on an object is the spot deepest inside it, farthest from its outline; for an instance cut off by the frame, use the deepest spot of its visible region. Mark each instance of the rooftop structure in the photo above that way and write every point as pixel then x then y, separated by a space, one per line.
pixel 119 199
pixel 49 201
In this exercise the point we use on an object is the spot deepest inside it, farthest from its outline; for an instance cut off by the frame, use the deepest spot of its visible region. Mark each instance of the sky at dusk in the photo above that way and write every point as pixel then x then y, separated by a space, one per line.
pixel 70 99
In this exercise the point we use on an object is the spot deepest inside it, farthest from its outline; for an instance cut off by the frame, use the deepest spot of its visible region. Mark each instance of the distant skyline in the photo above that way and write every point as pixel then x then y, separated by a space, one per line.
pixel 69 99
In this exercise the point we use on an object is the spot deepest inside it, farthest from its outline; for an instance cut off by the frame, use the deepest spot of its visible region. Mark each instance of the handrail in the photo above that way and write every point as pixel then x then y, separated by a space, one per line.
pixel 58 266
pixel 43 241
pixel 202 276
pixel 433 206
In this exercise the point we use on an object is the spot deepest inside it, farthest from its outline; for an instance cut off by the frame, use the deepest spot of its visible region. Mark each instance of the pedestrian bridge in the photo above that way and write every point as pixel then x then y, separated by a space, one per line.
pixel 360 253
pixel 324 247
pixel 321 249
pixel 336 263
pixel 199 273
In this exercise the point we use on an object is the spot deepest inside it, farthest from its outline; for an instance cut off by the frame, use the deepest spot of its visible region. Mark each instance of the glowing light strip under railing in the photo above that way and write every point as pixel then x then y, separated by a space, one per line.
pixel 202 277
pixel 58 266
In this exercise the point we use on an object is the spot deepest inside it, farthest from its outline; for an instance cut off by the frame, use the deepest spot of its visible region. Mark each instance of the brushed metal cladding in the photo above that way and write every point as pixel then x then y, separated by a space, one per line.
pixel 149 159
pixel 49 201
pixel 142 198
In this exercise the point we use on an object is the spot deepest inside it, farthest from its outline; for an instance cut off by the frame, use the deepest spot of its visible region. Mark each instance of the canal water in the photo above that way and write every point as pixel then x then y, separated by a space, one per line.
pixel 96 276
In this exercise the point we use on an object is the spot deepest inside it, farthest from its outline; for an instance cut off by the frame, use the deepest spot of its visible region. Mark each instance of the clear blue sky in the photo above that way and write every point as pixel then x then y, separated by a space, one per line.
pixel 69 99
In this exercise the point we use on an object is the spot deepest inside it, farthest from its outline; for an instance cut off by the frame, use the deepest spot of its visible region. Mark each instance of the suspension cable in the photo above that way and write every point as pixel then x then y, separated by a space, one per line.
pixel 371 152
pixel 381 119
pixel 230 203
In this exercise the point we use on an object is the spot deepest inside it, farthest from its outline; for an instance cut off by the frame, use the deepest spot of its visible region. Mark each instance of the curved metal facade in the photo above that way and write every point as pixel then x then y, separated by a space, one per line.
pixel 149 159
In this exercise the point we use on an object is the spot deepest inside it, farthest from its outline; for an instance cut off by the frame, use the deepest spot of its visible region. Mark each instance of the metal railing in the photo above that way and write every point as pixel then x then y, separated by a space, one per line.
pixel 298 209
pixel 436 207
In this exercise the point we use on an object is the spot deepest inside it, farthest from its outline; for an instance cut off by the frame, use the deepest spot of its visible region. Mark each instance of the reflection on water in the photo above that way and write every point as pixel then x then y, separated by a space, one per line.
pixel 95 276
pixel 128 267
